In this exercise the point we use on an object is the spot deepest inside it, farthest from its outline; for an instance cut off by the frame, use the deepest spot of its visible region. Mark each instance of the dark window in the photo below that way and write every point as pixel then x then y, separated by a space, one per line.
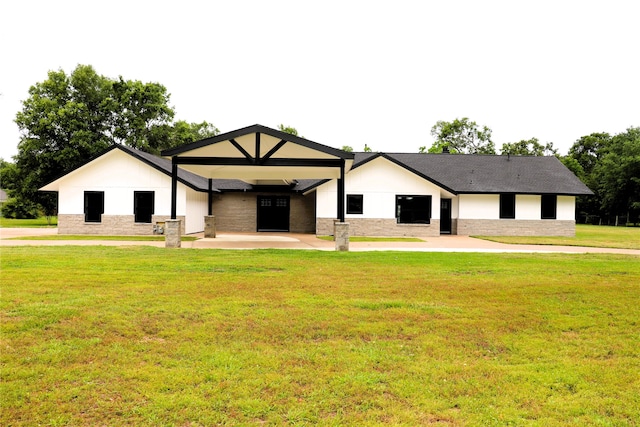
pixel 93 206
pixel 354 203
pixel 143 205
pixel 413 209
pixel 548 206
pixel 507 206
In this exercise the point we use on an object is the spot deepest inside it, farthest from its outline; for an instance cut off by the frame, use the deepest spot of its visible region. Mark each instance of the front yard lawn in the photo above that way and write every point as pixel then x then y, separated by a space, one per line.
pixel 599 236
pixel 149 336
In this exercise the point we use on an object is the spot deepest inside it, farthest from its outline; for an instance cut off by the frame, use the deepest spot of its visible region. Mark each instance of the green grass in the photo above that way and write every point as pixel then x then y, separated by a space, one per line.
pixel 28 223
pixel 150 336
pixel 375 239
pixel 586 235
pixel 100 237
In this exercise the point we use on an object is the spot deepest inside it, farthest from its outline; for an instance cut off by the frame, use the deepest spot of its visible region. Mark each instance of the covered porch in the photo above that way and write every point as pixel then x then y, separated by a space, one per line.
pixel 267 161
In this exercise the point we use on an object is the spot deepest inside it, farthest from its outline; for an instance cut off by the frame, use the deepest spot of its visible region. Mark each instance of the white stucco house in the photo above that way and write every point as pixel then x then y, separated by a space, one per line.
pixel 260 179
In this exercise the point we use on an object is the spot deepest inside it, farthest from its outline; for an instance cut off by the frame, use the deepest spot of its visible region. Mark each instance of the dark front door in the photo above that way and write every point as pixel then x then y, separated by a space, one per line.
pixel 445 216
pixel 273 213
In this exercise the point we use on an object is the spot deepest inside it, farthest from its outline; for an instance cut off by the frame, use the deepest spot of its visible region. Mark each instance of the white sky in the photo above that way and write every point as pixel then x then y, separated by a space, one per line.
pixel 346 72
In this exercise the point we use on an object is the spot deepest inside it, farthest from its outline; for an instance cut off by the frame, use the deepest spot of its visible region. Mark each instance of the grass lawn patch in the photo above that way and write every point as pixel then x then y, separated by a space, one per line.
pixel 374 239
pixel 28 223
pixel 149 336
pixel 599 236
pixel 100 237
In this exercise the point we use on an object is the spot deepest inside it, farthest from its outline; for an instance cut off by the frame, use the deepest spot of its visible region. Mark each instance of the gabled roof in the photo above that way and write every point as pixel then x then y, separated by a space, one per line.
pixel 258 153
pixel 262 130
pixel 189 179
pixel 192 180
pixel 456 173
pixel 475 174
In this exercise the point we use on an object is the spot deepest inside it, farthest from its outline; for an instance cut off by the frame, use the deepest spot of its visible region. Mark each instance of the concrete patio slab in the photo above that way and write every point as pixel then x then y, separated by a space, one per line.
pixel 308 241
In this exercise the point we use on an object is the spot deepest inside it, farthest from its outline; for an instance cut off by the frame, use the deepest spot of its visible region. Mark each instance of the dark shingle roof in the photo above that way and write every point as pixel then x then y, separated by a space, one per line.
pixel 460 173
pixel 457 173
pixel 190 179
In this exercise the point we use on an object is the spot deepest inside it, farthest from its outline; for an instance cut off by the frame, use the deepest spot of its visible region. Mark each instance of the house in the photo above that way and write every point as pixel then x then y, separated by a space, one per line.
pixel 261 179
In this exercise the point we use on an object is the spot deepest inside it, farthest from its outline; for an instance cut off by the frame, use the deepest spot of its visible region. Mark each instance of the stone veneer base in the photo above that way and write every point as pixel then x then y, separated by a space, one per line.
pixel 111 225
pixel 380 227
pixel 515 227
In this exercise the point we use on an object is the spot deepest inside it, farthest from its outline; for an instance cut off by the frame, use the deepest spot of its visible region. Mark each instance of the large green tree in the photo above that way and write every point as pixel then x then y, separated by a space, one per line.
pixel 617 176
pixel 588 150
pixel 528 147
pixel 69 118
pixel 610 167
pixel 585 153
pixel 461 136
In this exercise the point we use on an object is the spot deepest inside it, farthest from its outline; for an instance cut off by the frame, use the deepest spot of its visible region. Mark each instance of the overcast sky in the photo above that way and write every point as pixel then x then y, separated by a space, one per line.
pixel 346 72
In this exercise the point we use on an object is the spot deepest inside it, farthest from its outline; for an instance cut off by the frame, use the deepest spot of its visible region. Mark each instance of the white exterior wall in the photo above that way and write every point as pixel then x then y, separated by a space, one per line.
pixel 379 181
pixel 196 211
pixel 479 206
pixel 118 175
pixel 566 209
pixel 528 207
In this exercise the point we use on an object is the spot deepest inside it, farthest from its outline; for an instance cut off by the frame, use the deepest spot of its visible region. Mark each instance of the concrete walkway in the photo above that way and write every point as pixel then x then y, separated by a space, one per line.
pixel 306 241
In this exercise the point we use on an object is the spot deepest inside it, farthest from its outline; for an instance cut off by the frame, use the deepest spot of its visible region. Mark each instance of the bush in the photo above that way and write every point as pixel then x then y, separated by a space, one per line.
pixel 13 208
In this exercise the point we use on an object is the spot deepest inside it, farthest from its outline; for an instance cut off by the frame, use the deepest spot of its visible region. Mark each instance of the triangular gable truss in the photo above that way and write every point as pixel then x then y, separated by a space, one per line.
pixel 258 153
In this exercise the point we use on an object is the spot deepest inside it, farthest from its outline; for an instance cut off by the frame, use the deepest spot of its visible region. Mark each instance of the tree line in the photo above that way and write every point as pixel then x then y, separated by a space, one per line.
pixel 68 119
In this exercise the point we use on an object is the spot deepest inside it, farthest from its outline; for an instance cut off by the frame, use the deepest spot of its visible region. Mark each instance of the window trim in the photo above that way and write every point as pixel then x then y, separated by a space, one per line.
pixel 359 211
pixel 135 206
pixel 504 213
pixel 93 210
pixel 551 199
pixel 427 197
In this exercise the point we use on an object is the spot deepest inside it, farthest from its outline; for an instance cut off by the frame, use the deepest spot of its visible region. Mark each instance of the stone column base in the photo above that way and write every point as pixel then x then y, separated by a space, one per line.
pixel 209 226
pixel 172 233
pixel 341 236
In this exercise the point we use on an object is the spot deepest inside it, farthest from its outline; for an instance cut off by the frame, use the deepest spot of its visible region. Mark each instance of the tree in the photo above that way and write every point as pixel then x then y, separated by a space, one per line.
pixel 529 147
pixel 617 175
pixel 367 149
pixel 461 136
pixel 585 153
pixel 347 148
pixel 610 167
pixel 587 150
pixel 14 208
pixel 288 129
pixel 67 119
pixel 179 133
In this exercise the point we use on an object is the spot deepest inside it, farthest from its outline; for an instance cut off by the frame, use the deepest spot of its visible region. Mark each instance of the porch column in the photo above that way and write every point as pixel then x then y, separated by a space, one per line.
pixel 174 187
pixel 210 198
pixel 209 226
pixel 209 219
pixel 340 215
pixel 172 237
pixel 341 236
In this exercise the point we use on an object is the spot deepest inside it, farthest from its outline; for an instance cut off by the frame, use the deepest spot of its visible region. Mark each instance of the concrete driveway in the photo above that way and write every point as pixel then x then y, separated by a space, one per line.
pixel 307 241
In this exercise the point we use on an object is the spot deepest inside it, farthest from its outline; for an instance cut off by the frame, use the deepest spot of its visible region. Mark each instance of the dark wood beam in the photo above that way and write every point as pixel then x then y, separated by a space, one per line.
pixel 242 150
pixel 256 159
pixel 230 161
pixel 174 187
pixel 210 198
pixel 271 152
pixel 341 192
